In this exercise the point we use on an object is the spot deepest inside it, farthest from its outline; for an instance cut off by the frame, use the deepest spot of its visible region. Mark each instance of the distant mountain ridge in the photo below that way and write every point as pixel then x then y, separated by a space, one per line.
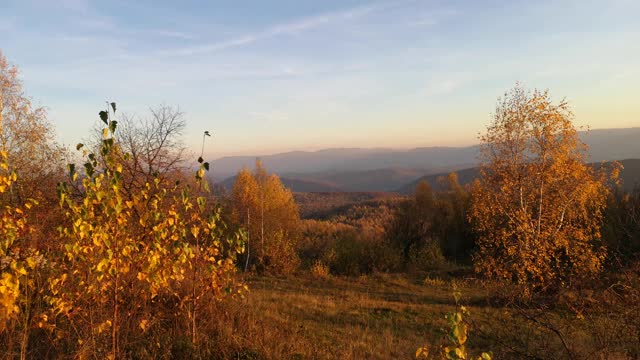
pixel 296 185
pixel 630 176
pixel 379 169
pixel 351 159
pixel 604 144
pixel 377 180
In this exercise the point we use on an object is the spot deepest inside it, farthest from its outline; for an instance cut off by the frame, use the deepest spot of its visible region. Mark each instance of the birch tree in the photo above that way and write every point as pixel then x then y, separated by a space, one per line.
pixel 537 206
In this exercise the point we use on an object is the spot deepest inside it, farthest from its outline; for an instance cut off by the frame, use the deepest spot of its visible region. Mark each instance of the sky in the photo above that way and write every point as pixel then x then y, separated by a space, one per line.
pixel 282 75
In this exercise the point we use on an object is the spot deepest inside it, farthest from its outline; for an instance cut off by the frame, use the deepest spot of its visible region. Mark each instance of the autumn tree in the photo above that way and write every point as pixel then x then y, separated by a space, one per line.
pixel 537 206
pixel 267 211
pixel 412 227
pixel 19 263
pixel 30 166
pixel 244 200
pixel 29 140
pixel 621 229
pixel 456 237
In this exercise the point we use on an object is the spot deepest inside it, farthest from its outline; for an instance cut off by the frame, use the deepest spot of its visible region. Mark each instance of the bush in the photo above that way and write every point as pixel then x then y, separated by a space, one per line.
pixel 426 258
pixel 319 270
pixel 455 347
pixel 136 262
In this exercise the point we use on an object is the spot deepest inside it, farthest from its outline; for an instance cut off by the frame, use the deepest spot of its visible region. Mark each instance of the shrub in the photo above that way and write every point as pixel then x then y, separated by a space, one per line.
pixel 456 338
pixel 319 270
pixel 427 257
pixel 136 262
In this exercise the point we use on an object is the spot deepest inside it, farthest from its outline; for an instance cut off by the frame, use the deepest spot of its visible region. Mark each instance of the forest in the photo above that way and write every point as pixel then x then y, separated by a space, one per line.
pixel 124 247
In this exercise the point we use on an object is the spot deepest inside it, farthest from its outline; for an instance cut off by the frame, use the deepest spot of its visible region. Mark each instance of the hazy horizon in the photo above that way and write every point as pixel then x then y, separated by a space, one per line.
pixel 276 151
pixel 283 76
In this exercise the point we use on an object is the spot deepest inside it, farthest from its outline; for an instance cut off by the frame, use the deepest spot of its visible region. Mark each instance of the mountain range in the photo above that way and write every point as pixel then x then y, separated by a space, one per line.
pixel 629 175
pixel 378 169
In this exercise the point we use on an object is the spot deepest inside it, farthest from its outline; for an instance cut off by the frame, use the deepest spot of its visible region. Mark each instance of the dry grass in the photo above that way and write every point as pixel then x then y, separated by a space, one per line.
pixel 374 317
pixel 383 317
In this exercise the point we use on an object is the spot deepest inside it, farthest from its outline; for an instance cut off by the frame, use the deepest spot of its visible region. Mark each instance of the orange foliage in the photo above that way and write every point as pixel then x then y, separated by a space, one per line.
pixel 262 206
pixel 537 207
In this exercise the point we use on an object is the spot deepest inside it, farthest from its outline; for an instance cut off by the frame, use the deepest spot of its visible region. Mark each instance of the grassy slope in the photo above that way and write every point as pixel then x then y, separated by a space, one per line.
pixel 380 317
pixel 336 318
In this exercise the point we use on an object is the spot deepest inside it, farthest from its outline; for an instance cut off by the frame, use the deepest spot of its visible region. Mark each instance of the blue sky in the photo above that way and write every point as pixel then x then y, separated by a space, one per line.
pixel 269 76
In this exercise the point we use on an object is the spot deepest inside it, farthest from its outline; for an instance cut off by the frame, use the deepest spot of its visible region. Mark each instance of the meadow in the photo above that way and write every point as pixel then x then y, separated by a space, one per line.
pixel 389 316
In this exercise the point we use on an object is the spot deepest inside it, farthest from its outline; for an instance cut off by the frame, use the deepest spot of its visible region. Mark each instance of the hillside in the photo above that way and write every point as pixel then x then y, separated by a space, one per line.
pixel 378 180
pixel 319 205
pixel 465 176
pixel 630 176
pixel 612 144
pixel 367 180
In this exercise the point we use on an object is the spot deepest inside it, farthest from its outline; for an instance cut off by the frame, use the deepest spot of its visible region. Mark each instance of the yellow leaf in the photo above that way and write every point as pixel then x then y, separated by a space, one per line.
pixel 195 231
pixel 424 351
pixel 21 271
pixel 102 265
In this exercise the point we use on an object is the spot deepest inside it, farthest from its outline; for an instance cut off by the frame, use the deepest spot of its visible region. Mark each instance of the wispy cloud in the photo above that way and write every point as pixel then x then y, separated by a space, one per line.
pixel 280 29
